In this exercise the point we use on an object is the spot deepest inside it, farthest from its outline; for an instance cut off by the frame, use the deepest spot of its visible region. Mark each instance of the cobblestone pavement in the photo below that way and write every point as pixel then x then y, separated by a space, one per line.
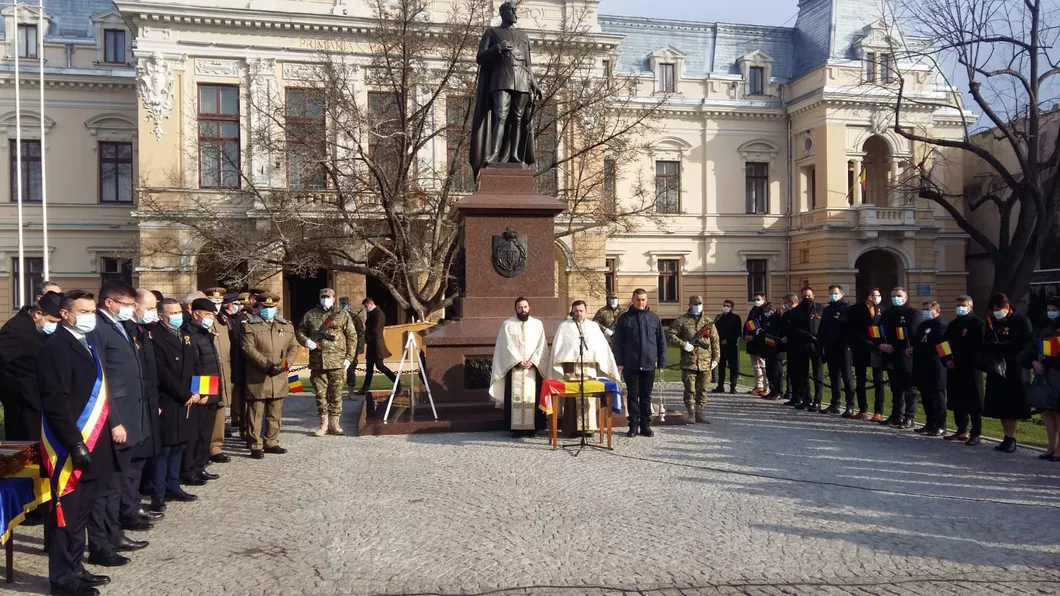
pixel 765 500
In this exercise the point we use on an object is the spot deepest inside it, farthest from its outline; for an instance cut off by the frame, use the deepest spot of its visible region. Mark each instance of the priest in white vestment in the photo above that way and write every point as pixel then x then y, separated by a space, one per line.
pixel 594 361
pixel 520 361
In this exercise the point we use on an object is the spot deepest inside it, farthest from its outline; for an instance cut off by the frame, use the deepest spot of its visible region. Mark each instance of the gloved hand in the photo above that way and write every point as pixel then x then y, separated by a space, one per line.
pixel 273 370
pixel 609 332
pixel 688 347
pixel 713 365
pixel 345 365
pixel 80 456
pixel 310 344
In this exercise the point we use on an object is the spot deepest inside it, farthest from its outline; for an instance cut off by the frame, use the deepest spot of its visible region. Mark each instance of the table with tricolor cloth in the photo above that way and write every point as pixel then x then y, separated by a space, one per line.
pixel 20 493
pixel 607 391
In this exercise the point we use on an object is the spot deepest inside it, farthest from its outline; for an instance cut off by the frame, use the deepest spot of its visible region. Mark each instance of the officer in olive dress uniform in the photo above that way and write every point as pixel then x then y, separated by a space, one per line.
pixel 331 338
pixel 269 344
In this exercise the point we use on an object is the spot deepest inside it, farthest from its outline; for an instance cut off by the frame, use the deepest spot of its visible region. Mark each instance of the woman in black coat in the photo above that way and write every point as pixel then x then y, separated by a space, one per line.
pixel 1007 333
pixel 1047 366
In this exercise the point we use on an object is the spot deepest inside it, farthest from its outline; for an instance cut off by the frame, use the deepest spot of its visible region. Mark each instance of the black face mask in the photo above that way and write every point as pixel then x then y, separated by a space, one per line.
pixel 522 315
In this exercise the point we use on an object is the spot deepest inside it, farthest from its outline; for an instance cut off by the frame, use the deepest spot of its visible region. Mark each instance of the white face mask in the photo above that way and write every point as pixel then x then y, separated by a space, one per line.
pixel 759 302
pixel 327 303
pixel 613 303
pixel 877 299
pixel 86 323
pixel 126 313
pixel 1000 314
pixel 726 309
pixel 697 309
pixel 49 327
pixel 233 309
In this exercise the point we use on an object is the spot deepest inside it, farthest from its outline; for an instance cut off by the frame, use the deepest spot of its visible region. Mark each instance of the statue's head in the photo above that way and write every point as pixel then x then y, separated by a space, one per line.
pixel 508 16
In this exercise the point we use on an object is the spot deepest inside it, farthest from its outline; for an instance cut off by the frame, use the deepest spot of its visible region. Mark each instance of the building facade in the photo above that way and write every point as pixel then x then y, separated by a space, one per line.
pixel 775 162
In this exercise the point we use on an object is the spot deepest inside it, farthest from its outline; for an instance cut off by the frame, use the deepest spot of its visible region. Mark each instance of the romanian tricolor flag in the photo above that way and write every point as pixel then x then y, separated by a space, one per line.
pixel 1051 347
pixel 863 179
pixel 752 325
pixel 91 423
pixel 876 332
pixel 206 385
pixel 771 341
pixel 943 349
pixel 990 322
pixel 900 333
pixel 294 385
pixel 551 387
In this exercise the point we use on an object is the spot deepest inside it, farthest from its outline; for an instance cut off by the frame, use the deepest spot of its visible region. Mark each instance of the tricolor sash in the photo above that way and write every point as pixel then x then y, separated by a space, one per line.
pixel 91 422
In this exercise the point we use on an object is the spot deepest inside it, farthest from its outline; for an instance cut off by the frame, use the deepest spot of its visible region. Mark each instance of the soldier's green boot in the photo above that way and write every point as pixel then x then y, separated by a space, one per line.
pixel 691 413
pixel 701 415
pixel 333 426
pixel 323 428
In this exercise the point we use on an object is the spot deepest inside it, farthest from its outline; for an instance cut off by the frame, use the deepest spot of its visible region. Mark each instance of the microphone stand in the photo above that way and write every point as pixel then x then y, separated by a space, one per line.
pixel 582 442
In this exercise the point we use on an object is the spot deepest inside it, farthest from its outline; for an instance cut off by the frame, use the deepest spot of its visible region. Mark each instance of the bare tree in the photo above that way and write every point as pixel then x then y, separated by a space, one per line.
pixel 1007 61
pixel 363 190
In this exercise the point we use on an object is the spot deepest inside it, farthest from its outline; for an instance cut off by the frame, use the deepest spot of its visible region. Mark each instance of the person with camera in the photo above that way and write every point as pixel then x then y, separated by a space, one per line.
pixel 269 344
pixel 327 331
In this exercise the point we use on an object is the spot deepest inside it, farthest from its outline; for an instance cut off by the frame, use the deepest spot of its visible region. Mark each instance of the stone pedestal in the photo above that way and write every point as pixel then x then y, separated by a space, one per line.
pixel 460 351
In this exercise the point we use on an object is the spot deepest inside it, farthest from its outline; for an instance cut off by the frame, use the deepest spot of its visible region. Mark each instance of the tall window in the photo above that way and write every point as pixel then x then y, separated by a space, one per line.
pixel 666 77
pixel 609 275
pixel 27 41
pixel 870 67
pixel 218 136
pixel 306 130
pixel 610 178
pixel 458 114
pixel 756 80
pixel 668 187
pixel 609 69
pixel 546 141
pixel 115 172
pixel 812 179
pixel 757 175
pixel 756 277
pixel 114 46
pixel 668 285
pixel 384 146
pixel 34 275
pixel 885 68
pixel 115 269
pixel 31 171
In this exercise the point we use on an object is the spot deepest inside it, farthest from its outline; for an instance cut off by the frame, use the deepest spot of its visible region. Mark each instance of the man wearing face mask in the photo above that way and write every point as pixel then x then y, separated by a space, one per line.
pixel 804 352
pixel 115 338
pixel 200 329
pixel 963 379
pixel 230 322
pixel 929 372
pixel 752 330
pixel 146 314
pixel 222 343
pixel 729 328
pixel 833 334
pixel 21 340
pixel 328 333
pixel 697 337
pixel 70 378
pixel 899 322
pixel 865 316
pixel 607 315
pixel 269 344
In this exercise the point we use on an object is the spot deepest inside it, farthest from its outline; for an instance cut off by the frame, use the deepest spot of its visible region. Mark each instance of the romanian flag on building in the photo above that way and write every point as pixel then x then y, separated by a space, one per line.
pixel 752 325
pixel 876 332
pixel 771 341
pixel 943 349
pixel 900 333
pixel 1051 347
pixel 206 385
pixel 294 385
pixel 863 179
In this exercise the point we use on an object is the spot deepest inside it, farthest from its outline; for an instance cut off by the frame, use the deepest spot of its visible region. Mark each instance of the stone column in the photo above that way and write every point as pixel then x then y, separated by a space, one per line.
pixel 858 198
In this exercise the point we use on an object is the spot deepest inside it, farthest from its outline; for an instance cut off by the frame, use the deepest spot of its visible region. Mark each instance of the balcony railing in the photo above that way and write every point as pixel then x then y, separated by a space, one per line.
pixel 870 216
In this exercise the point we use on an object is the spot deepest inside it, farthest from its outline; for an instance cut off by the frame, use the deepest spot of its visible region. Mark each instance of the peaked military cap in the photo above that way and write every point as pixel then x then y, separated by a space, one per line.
pixel 215 294
pixel 268 299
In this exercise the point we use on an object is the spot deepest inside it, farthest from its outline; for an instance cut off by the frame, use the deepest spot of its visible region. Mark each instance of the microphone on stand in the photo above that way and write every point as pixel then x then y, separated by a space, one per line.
pixel 581 335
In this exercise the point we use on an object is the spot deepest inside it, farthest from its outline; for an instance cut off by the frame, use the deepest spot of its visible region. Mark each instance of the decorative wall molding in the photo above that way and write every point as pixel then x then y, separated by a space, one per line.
pixel 217 68
pixel 154 82
pixel 300 71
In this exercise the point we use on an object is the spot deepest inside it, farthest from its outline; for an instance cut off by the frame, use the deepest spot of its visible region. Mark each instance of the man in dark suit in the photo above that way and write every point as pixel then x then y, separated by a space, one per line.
pixel 21 340
pixel 146 317
pixel 67 375
pixel 899 322
pixel 114 337
pixel 199 329
pixel 376 350
pixel 804 352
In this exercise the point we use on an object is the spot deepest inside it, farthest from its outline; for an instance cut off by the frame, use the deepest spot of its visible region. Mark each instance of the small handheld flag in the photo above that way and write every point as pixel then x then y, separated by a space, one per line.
pixel 771 341
pixel 1051 347
pixel 900 333
pixel 990 322
pixel 943 349
pixel 205 385
pixel 876 331
pixel 294 385
pixel 752 325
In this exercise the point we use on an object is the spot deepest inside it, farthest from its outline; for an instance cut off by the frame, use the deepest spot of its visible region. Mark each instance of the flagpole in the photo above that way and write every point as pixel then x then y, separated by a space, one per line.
pixel 18 167
pixel 43 169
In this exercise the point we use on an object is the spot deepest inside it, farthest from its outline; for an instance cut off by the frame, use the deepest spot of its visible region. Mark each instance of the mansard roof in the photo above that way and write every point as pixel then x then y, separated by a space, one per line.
pixel 72 18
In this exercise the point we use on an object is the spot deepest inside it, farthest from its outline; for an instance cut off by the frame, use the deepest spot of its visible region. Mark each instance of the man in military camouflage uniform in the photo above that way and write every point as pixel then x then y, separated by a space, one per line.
pixel 328 333
pixel 269 343
pixel 608 315
pixel 696 335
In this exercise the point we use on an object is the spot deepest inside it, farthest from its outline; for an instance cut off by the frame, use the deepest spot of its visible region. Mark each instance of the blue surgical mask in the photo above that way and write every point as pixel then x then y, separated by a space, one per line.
pixel 126 313
pixel 49 327
pixel 835 297
pixel 897 300
pixel 927 314
pixel 268 313
pixel 149 316
pixel 963 311
pixel 767 314
pixel 176 321
pixel 206 322
pixel 1000 314
pixel 1053 314
pixel 86 323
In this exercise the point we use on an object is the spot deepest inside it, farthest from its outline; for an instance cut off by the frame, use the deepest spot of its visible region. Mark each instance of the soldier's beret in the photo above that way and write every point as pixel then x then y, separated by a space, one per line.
pixel 50 303
pixel 327 292
pixel 203 304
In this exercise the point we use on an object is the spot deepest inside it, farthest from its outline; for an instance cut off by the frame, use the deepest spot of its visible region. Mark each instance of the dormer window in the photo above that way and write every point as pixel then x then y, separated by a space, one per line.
pixel 27 41
pixel 756 80
pixel 870 67
pixel 756 69
pixel 879 67
pixel 114 46
pixel 885 68
pixel 665 76
pixel 876 46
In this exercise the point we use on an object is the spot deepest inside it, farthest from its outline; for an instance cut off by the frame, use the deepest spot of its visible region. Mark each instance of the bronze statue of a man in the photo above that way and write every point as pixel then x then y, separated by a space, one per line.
pixel 501 128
